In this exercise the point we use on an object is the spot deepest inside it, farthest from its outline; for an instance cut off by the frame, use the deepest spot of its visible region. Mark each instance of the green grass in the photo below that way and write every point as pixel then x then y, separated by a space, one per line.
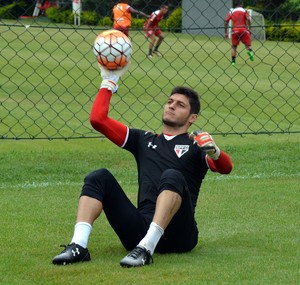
pixel 248 220
pixel 49 78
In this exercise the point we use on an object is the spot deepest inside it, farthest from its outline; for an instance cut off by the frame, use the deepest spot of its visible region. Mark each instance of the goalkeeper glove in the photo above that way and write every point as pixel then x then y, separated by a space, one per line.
pixel 111 77
pixel 206 143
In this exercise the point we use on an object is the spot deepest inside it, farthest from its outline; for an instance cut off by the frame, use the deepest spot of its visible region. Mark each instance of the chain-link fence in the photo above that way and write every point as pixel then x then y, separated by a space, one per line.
pixel 49 76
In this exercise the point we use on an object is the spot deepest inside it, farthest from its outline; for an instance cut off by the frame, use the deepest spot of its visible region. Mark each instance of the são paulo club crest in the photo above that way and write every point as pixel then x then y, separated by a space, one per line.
pixel 180 150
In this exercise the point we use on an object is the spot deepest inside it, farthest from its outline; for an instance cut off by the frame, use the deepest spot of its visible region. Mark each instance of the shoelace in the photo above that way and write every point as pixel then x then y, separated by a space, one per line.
pixel 65 246
pixel 138 251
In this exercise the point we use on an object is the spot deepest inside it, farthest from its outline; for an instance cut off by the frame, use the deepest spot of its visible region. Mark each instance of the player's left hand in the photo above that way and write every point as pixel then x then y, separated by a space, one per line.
pixel 111 77
pixel 205 141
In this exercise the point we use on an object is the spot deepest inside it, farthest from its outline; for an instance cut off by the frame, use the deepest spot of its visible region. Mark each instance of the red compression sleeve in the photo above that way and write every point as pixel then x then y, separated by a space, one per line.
pixel 112 129
pixel 222 165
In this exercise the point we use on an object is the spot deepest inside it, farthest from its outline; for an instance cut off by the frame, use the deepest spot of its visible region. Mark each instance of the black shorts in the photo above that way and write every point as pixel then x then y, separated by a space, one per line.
pixel 131 224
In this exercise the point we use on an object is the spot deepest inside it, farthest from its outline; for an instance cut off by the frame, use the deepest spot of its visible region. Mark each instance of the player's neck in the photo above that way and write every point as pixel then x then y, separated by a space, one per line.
pixel 174 131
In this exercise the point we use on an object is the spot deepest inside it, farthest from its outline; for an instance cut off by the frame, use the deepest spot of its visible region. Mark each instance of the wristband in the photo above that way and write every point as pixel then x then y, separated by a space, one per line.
pixel 110 85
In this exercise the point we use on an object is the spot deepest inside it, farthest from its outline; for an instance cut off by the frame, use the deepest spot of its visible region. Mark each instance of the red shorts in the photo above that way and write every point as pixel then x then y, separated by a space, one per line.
pixel 123 29
pixel 152 31
pixel 243 36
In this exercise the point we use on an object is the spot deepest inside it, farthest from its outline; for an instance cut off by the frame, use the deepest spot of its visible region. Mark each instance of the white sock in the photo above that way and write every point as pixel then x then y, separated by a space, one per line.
pixel 152 237
pixel 81 234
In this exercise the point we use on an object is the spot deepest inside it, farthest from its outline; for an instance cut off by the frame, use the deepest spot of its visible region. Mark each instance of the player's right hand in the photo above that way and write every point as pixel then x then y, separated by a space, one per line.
pixel 111 77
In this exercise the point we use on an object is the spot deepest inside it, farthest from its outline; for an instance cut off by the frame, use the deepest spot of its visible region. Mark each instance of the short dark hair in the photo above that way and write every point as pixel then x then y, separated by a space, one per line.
pixel 192 95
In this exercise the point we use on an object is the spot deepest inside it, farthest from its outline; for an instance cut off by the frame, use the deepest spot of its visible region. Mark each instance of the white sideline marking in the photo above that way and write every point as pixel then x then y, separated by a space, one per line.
pixel 211 177
pixel 29 185
pixel 251 176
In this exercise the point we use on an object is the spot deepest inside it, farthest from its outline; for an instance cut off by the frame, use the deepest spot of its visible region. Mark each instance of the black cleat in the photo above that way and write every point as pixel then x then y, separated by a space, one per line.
pixel 139 256
pixel 71 254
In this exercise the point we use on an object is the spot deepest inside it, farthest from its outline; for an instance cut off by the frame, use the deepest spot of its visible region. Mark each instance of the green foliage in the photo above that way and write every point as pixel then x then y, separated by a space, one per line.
pixel 66 16
pixel 89 18
pixel 291 8
pixel 284 10
pixel 12 11
pixel 137 23
pixel 163 24
pixel 283 32
pixel 53 14
pixel 173 23
pixel 106 22
pixel 292 5
pixel 4 11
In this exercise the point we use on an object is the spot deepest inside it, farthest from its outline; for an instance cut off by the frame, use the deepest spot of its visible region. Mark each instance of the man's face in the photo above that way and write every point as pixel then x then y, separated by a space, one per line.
pixel 177 111
pixel 164 10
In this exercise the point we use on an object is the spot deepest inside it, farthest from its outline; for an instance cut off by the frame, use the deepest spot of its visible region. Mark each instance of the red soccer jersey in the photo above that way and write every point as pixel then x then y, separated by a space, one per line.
pixel 154 19
pixel 239 17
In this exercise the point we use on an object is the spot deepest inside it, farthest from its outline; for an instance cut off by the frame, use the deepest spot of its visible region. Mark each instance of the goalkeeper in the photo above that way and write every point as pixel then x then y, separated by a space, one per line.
pixel 171 167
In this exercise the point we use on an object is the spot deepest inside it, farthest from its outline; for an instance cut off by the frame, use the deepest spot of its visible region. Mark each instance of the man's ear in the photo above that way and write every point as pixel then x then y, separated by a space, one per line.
pixel 193 118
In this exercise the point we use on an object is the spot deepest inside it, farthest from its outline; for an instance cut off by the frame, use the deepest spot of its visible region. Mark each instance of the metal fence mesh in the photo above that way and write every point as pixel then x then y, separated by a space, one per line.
pixel 49 78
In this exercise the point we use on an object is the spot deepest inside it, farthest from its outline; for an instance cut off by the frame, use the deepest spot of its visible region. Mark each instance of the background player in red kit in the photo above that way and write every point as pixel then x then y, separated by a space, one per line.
pixel 171 167
pixel 152 30
pixel 240 31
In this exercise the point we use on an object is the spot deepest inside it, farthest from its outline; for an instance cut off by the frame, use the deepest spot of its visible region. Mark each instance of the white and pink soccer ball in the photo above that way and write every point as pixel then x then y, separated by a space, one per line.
pixel 113 49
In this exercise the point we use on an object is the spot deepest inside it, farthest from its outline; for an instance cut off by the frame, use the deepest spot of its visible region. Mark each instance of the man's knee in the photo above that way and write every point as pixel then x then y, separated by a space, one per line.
pixel 96 175
pixel 94 183
pixel 173 180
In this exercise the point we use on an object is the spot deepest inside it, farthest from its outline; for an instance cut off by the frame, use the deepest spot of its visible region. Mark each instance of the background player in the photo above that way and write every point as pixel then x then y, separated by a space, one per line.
pixel 240 30
pixel 152 30
pixel 122 16
pixel 171 167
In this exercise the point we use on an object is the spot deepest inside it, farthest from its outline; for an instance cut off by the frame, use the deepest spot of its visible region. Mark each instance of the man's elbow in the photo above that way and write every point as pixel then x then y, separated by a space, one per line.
pixel 96 122
pixel 227 169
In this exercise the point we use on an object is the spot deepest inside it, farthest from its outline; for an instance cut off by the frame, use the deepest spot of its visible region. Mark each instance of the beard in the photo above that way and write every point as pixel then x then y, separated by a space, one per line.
pixel 169 123
pixel 172 124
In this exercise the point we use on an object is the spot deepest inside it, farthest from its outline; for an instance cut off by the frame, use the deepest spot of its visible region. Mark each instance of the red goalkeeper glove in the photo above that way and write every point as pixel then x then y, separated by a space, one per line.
pixel 205 141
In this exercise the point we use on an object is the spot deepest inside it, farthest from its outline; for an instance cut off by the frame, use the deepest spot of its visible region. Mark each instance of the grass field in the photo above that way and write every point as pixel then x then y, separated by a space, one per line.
pixel 248 221
pixel 49 78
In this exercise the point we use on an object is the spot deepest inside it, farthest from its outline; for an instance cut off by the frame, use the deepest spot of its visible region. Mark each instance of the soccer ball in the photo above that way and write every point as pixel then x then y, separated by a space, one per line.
pixel 112 49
